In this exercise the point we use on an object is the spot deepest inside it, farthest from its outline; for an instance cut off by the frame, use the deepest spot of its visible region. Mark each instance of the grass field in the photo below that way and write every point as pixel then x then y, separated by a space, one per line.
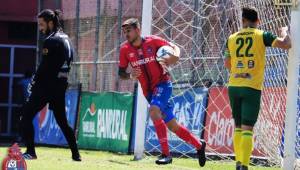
pixel 60 159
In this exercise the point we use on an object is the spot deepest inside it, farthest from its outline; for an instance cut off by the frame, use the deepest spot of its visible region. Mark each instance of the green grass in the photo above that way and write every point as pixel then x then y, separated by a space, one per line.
pixel 60 159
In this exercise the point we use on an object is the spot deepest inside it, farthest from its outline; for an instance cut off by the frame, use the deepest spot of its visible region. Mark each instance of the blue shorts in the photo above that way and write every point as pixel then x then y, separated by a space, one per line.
pixel 160 98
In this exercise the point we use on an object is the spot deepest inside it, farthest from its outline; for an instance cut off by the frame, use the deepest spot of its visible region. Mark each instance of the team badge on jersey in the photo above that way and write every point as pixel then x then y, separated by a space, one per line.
pixel 240 64
pixel 45 51
pixel 149 50
pixel 250 64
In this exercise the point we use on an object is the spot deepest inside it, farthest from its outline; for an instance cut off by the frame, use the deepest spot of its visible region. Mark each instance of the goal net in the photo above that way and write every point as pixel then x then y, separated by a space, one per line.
pixel 200 29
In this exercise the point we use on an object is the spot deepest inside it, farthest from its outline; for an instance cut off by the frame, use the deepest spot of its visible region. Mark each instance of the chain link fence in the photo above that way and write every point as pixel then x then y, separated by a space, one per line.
pixel 94 27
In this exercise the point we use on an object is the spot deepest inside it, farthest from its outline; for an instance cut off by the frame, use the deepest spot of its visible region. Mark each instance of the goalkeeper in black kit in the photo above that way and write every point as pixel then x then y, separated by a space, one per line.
pixel 49 83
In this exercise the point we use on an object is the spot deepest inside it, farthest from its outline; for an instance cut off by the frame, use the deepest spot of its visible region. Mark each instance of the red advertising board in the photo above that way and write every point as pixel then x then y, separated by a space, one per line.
pixel 219 124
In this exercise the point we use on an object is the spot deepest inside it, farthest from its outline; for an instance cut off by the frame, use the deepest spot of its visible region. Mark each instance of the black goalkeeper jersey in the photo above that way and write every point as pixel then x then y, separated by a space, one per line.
pixel 57 54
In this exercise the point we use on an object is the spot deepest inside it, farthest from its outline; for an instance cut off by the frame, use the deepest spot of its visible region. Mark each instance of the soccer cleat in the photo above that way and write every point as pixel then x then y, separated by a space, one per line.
pixel 163 160
pixel 76 157
pixel 243 167
pixel 238 165
pixel 201 153
pixel 29 156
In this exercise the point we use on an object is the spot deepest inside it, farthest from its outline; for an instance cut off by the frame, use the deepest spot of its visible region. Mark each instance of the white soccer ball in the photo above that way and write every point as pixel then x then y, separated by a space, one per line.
pixel 164 52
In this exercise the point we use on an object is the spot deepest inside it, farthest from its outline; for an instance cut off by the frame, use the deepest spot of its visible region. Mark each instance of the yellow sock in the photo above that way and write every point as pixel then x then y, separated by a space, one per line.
pixel 246 147
pixel 237 135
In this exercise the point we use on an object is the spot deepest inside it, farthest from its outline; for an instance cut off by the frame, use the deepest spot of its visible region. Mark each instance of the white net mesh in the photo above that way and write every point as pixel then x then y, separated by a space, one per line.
pixel 200 29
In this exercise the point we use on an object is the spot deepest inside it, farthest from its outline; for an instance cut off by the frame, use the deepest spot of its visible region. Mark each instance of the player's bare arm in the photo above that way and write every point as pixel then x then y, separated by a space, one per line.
pixel 123 74
pixel 135 73
pixel 227 63
pixel 284 40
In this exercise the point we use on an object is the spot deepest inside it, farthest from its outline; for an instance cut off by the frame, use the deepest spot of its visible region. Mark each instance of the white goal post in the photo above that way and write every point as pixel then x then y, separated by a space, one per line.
pixel 292 91
pixel 141 103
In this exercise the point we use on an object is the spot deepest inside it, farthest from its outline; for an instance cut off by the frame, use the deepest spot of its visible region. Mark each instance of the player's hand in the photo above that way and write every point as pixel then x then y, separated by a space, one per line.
pixel 283 31
pixel 135 73
pixel 164 66
pixel 170 61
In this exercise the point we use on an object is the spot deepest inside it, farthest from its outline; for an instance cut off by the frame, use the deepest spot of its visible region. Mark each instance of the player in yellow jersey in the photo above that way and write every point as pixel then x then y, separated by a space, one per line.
pixel 245 58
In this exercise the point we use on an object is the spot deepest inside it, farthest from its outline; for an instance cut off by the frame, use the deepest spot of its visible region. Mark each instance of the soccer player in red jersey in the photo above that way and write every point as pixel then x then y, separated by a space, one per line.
pixel 140 53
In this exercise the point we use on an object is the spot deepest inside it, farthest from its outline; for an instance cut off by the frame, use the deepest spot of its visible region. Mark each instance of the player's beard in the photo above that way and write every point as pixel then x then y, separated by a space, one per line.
pixel 47 32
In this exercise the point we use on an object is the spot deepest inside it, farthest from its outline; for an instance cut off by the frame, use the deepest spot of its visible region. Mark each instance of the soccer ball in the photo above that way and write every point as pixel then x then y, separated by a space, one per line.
pixel 164 52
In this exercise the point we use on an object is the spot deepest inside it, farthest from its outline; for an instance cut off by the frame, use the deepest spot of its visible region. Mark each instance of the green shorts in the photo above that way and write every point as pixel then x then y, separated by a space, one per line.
pixel 245 105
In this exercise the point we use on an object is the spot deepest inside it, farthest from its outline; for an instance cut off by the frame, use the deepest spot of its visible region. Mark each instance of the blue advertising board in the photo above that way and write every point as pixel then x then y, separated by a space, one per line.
pixel 189 110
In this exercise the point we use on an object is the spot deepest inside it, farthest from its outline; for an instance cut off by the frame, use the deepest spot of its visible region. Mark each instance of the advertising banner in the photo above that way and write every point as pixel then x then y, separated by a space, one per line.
pixel 105 121
pixel 219 126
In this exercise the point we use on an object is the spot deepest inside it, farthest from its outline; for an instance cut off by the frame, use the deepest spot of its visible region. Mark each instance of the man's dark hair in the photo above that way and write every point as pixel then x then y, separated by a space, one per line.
pixel 134 22
pixel 50 15
pixel 250 13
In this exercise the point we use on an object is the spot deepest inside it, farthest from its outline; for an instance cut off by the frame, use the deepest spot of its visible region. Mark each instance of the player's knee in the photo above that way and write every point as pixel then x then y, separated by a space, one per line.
pixel 25 124
pixel 173 126
pixel 154 113
pixel 248 124
pixel 247 127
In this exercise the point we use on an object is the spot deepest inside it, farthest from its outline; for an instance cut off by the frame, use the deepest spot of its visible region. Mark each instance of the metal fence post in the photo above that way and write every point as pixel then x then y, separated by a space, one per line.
pixel 96 53
pixel 120 9
pixel 77 36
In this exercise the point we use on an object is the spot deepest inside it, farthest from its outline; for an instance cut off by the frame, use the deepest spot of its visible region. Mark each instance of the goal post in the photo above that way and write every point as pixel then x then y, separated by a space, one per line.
pixel 292 91
pixel 141 103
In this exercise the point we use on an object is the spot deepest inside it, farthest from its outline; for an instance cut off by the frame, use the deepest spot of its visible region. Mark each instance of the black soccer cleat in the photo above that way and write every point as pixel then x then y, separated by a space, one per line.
pixel 163 160
pixel 201 154
pixel 243 167
pixel 76 157
pixel 238 165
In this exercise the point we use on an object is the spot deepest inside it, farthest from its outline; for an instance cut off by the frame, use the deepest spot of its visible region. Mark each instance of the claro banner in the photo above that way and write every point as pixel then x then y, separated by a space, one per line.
pixel 105 121
pixel 219 124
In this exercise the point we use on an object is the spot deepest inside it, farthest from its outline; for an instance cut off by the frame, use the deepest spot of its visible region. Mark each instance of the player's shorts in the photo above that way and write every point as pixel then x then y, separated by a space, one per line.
pixel 245 105
pixel 160 98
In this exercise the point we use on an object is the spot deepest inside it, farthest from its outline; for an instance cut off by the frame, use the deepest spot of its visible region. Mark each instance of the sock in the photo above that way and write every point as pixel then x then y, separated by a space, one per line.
pixel 161 131
pixel 188 137
pixel 246 147
pixel 237 135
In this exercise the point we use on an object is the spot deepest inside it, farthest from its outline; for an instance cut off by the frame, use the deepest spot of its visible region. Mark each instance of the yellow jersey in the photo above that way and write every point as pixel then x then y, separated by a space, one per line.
pixel 246 49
